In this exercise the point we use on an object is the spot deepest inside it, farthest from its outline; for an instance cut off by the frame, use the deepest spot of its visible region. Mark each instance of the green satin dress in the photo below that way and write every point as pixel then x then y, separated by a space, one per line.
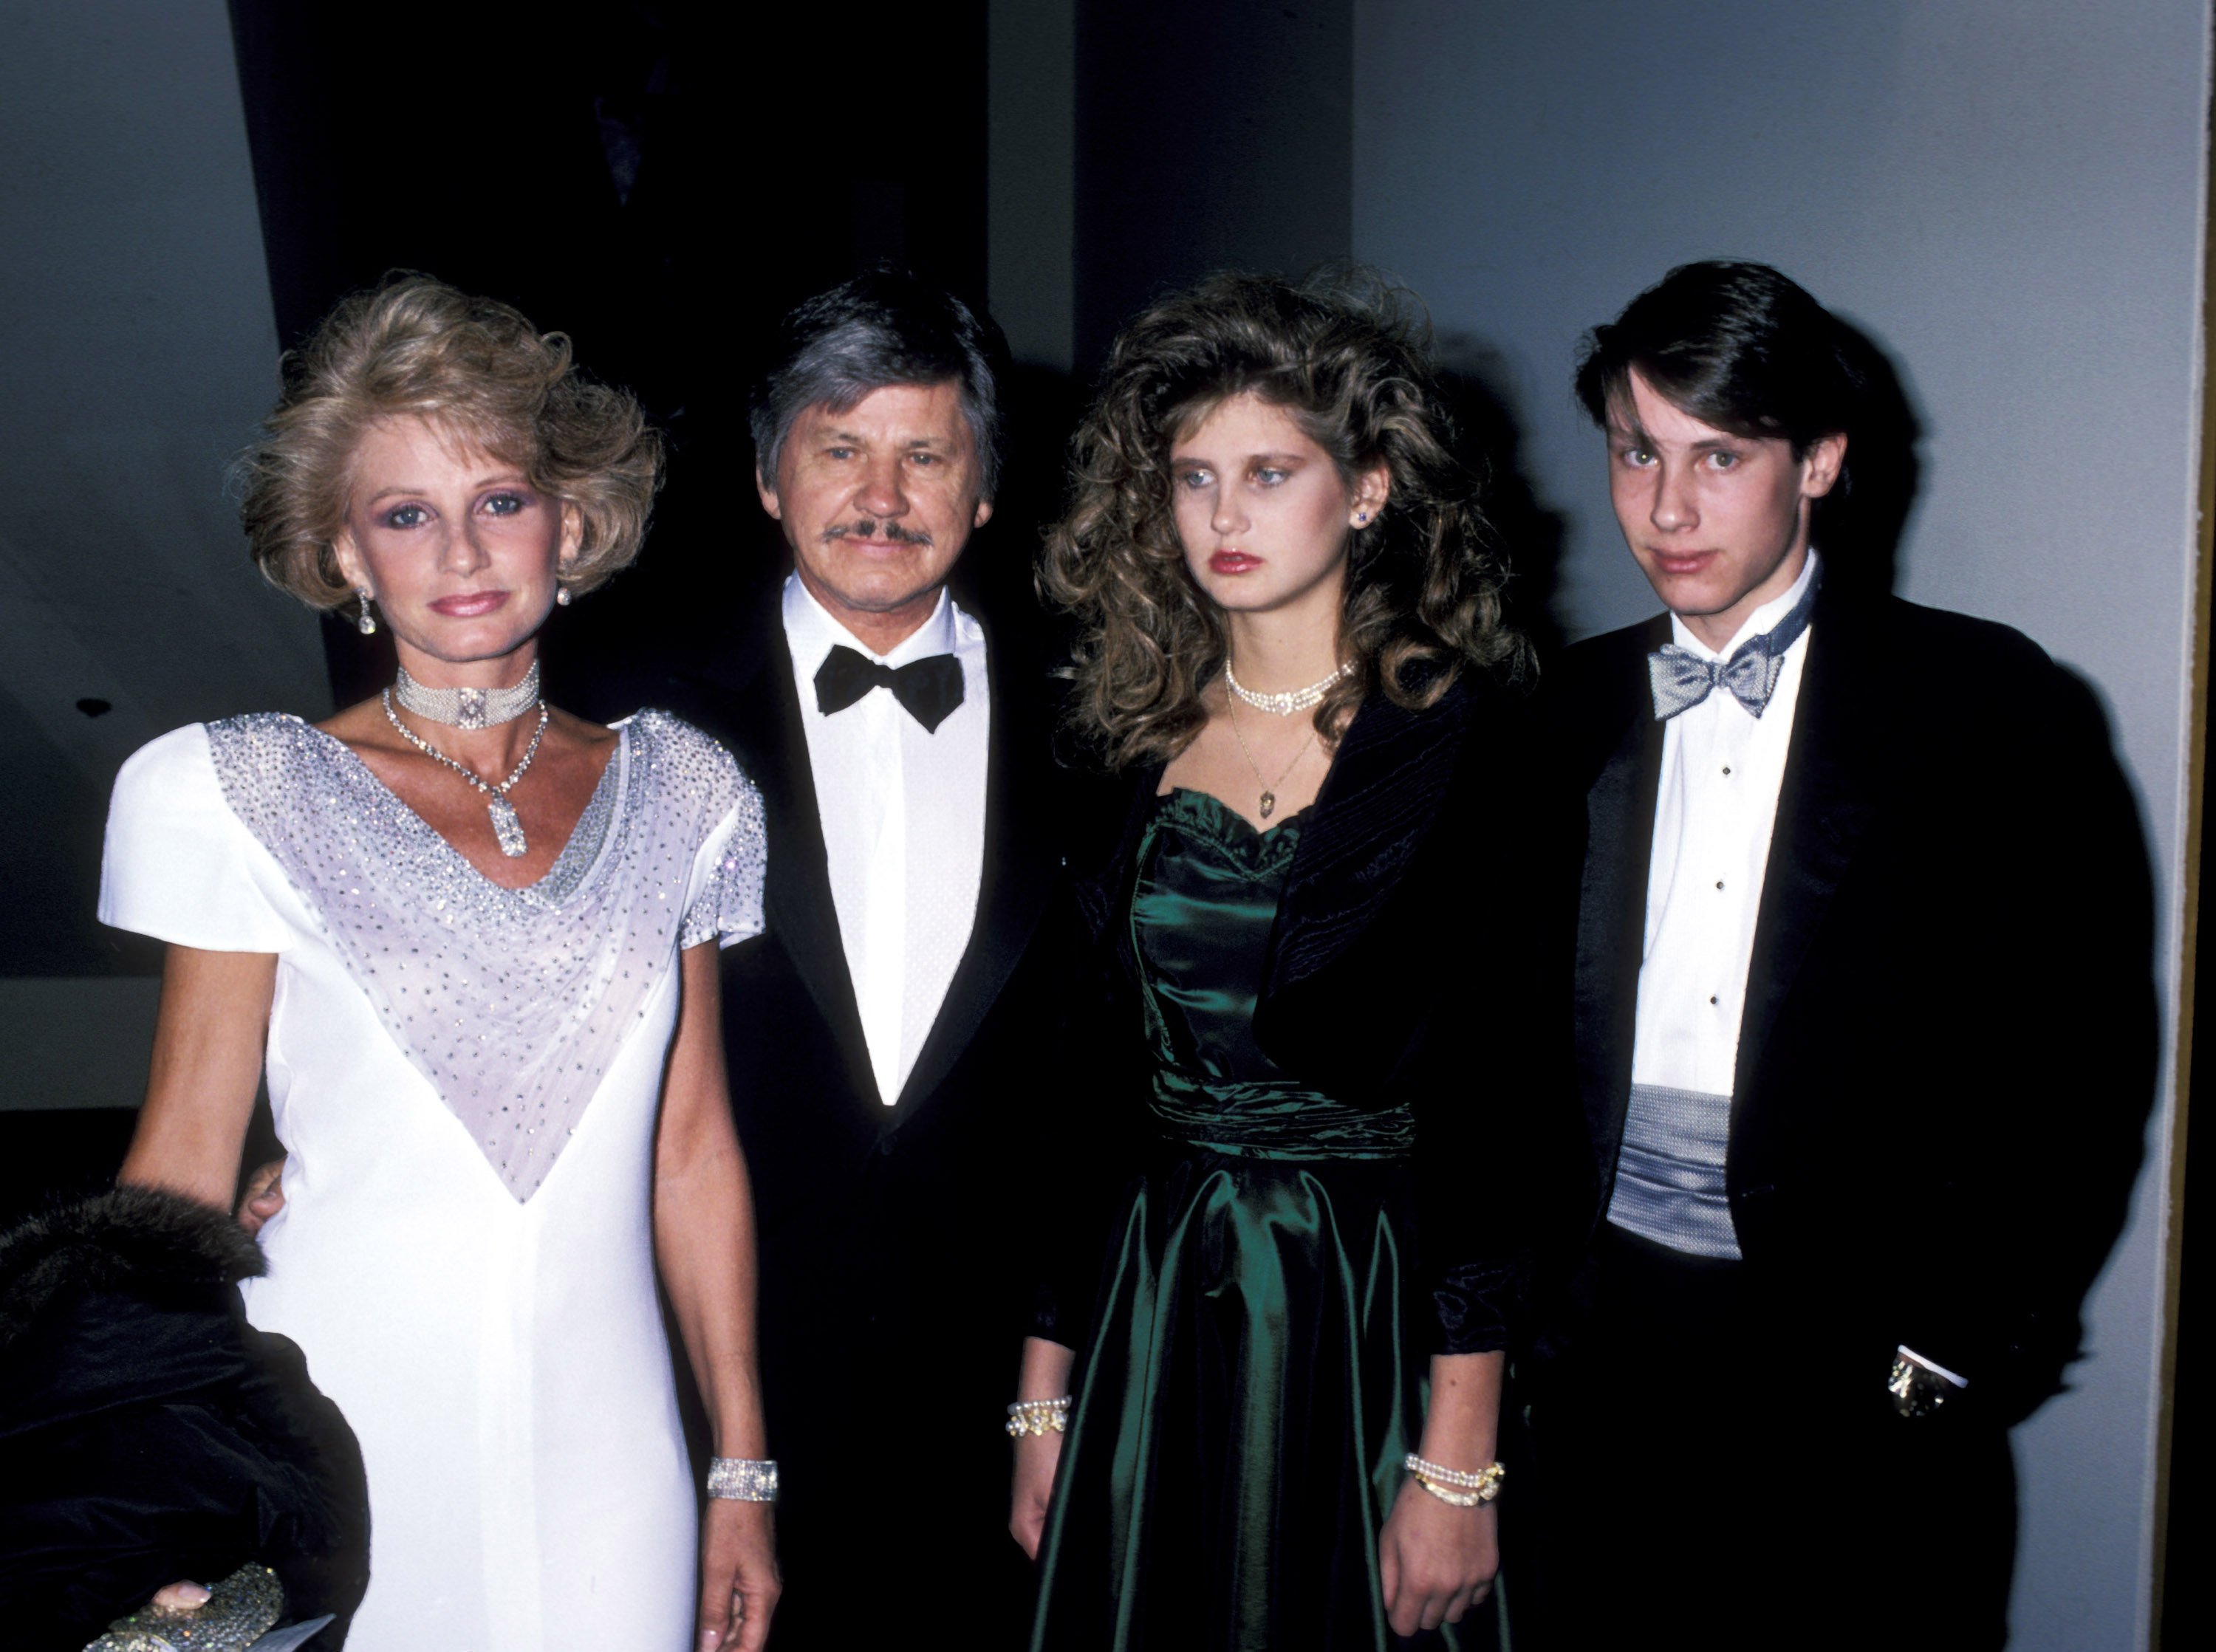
pixel 1250 1389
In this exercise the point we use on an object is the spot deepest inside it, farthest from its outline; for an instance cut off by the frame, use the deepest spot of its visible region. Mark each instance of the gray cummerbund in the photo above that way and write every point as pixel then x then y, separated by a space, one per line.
pixel 1670 1174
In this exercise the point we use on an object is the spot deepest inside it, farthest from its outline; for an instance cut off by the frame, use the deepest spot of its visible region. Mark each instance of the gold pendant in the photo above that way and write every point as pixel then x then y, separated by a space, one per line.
pixel 1269 804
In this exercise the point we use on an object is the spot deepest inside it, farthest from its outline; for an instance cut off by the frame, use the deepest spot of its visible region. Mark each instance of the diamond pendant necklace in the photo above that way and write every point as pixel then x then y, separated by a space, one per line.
pixel 505 826
pixel 1290 700
pixel 1269 787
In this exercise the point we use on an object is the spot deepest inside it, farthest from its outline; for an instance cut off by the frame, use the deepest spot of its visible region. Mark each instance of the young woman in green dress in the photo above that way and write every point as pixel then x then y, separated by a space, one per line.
pixel 1259 1405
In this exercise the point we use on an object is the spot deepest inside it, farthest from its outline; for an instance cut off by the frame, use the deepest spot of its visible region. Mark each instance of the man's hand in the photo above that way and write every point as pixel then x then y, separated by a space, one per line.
pixel 1435 1561
pixel 264 1196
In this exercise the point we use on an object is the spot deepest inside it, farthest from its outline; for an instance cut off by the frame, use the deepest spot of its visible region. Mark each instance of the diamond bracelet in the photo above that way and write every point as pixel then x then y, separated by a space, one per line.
pixel 1038 1417
pixel 742 1479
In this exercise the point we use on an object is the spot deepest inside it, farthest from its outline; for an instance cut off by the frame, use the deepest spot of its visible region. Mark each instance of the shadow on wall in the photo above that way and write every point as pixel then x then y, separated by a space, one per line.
pixel 1472 376
pixel 1865 523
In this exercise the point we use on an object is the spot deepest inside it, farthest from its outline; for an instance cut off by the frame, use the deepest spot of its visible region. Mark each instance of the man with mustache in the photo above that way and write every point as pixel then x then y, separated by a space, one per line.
pixel 1866 1033
pixel 888 1055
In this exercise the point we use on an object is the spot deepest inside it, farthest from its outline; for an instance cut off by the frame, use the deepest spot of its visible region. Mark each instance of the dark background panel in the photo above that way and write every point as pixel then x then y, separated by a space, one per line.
pixel 658 180
pixel 1209 137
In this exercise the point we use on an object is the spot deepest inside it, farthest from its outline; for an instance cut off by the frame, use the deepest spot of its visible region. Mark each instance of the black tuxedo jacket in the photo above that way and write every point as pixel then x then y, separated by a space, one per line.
pixel 857 1202
pixel 1421 956
pixel 1948 1049
pixel 891 1310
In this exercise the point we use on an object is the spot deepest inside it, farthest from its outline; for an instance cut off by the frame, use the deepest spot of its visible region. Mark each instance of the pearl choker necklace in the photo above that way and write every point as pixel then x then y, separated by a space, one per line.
pixel 469 708
pixel 1292 700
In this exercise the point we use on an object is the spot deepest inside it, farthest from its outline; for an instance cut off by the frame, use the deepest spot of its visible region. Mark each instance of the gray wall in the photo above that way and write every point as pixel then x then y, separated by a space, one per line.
pixel 137 353
pixel 2008 195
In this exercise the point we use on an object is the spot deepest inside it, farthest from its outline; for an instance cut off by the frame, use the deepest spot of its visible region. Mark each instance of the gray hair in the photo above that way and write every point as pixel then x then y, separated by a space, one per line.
pixel 881 329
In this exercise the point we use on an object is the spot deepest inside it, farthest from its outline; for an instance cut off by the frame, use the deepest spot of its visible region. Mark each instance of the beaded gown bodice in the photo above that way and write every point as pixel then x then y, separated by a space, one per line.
pixel 510 1002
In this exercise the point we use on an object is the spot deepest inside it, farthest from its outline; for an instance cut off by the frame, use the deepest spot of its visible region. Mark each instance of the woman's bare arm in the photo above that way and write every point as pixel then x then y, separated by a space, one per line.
pixel 208 1042
pixel 1044 1376
pixel 703 1237
pixel 1435 1562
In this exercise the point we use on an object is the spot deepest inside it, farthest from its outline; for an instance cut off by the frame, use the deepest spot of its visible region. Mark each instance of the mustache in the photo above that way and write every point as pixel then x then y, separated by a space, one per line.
pixel 869 529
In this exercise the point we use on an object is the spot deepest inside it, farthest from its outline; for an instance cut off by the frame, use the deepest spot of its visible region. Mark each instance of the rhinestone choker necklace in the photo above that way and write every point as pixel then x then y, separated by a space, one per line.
pixel 469 708
pixel 1292 700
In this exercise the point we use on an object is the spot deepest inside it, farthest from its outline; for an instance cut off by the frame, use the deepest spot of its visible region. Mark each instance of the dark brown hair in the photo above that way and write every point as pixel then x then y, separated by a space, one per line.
pixel 1346 358
pixel 1738 345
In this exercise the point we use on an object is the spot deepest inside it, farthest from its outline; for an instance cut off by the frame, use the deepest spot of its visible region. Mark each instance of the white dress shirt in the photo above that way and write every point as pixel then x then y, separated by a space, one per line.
pixel 1722 767
pixel 902 810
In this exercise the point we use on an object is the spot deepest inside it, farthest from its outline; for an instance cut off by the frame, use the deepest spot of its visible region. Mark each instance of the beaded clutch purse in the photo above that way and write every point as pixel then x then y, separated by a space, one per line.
pixel 236 1618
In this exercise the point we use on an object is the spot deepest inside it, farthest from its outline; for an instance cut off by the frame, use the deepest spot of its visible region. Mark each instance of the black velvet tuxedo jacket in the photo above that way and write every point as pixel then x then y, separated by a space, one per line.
pixel 885 1232
pixel 1948 1049
pixel 1421 956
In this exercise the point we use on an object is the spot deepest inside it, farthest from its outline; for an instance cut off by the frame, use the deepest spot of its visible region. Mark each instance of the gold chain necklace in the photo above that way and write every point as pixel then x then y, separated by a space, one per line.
pixel 1269 787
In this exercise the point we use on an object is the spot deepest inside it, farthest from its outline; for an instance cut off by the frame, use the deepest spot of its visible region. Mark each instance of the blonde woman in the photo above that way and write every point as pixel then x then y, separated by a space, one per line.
pixel 470 940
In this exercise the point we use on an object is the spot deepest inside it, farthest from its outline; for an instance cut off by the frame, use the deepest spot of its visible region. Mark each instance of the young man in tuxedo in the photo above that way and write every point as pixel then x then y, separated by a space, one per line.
pixel 891 1036
pixel 1865 1034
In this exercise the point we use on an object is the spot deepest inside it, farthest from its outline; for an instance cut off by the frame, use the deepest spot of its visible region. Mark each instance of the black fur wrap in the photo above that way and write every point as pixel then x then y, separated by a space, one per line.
pixel 149 1434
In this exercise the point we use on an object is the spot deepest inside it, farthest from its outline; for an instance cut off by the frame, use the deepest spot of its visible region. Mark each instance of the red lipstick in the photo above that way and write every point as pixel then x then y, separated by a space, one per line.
pixel 1233 562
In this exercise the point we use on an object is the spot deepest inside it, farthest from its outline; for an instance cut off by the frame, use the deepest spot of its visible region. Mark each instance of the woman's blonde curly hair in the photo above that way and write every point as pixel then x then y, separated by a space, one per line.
pixel 1346 358
pixel 474 366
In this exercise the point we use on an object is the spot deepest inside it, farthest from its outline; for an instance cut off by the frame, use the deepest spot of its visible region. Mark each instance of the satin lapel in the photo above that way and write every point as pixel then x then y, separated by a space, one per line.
pixel 1381 795
pixel 1824 806
pixel 1019 869
pixel 796 892
pixel 1612 899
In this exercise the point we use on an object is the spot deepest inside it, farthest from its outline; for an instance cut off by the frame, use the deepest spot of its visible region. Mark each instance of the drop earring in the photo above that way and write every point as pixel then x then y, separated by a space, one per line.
pixel 562 596
pixel 368 623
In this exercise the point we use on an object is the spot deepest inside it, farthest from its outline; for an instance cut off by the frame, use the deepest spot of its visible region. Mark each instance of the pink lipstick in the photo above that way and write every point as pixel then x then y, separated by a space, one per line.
pixel 470 605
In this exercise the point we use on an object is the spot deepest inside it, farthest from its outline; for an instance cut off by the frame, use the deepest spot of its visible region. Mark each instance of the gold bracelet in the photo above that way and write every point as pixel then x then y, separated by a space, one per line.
pixel 1038 1417
pixel 1456 1498
pixel 1450 1485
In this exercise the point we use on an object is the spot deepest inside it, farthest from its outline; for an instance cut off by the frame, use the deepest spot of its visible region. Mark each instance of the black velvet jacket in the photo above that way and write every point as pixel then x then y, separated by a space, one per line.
pixel 1420 956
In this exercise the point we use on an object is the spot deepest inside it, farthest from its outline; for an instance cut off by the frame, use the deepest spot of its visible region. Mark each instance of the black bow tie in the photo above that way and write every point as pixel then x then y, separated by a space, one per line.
pixel 929 688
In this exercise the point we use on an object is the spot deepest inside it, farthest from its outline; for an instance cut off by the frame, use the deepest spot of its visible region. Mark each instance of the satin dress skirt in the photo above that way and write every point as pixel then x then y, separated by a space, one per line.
pixel 1251 1385
pixel 1241 1414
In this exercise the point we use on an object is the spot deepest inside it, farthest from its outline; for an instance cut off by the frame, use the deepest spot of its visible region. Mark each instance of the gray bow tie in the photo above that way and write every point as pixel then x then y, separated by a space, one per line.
pixel 1681 680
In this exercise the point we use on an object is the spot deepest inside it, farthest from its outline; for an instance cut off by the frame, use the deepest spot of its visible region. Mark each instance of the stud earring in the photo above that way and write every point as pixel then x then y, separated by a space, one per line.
pixel 368 623
pixel 562 596
pixel 1361 519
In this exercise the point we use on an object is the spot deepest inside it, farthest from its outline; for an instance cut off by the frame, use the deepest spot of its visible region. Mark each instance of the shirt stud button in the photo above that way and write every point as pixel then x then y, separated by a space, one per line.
pixel 1720 883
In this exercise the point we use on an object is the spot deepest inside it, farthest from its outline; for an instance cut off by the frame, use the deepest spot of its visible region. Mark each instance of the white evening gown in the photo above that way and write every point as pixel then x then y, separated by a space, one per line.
pixel 465 1079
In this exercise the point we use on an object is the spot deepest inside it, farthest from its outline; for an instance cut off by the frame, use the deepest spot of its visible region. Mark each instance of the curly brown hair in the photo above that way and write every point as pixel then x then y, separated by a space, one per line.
pixel 415 346
pixel 1347 359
